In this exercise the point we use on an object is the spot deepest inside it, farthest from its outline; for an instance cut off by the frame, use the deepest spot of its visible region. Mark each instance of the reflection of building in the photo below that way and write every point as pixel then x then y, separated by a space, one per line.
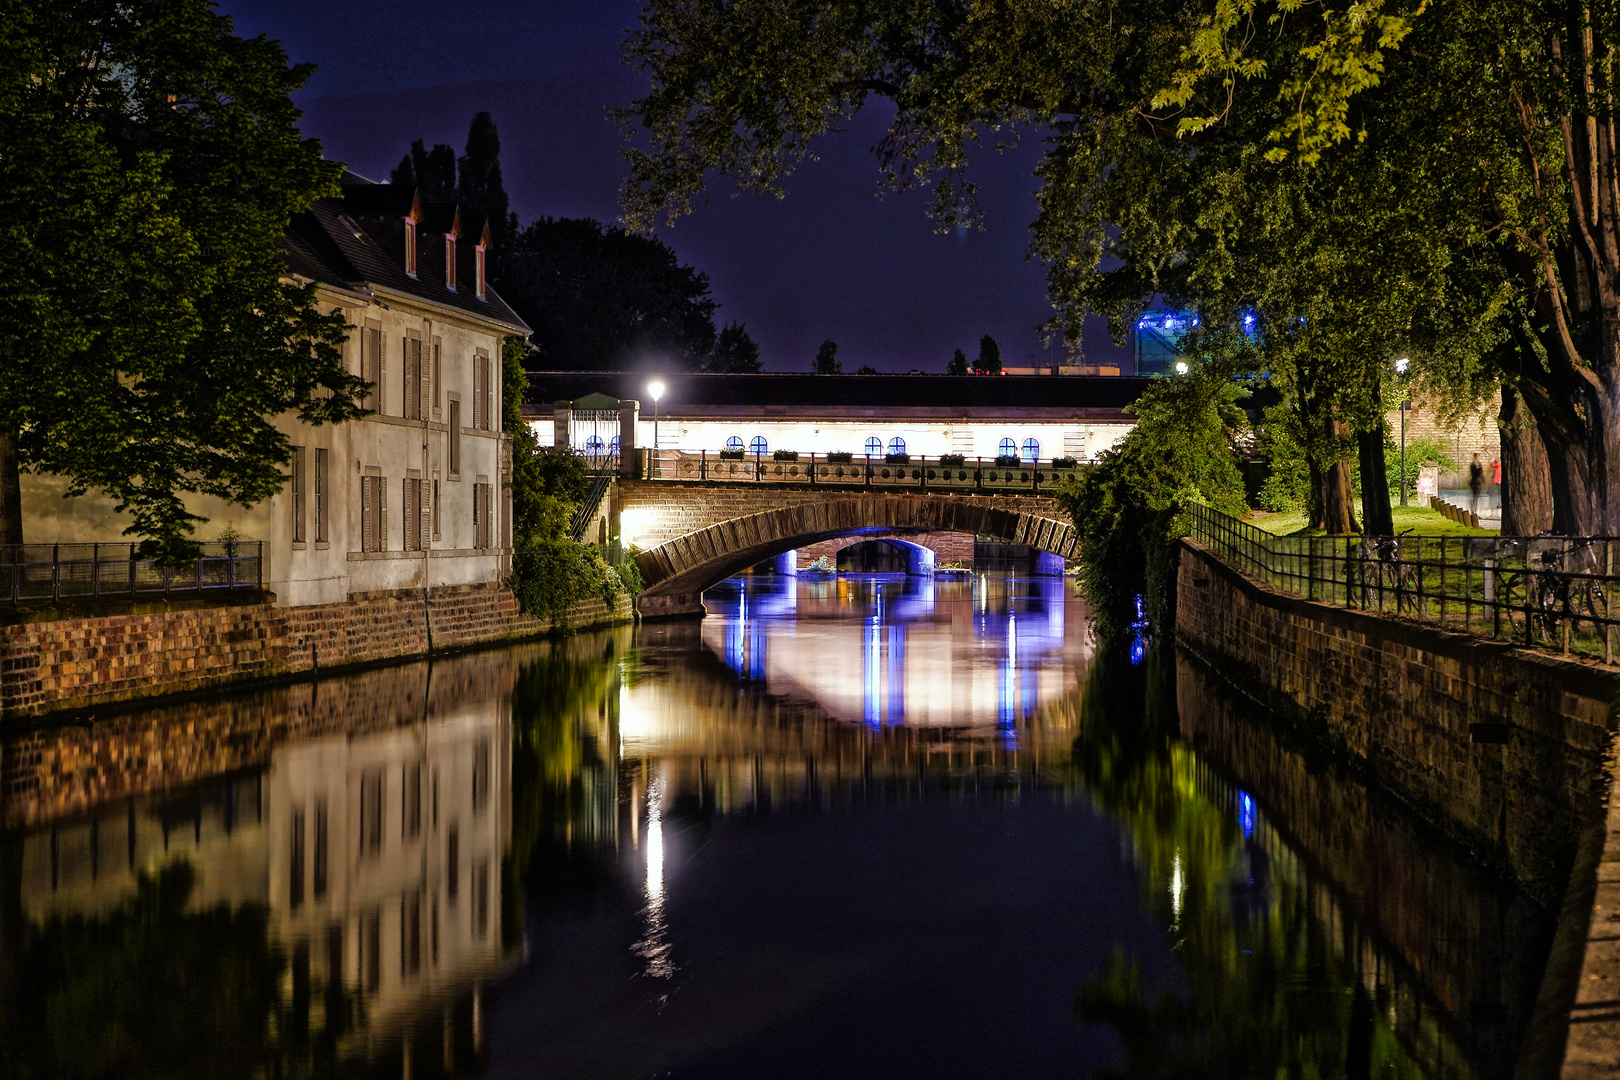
pixel 376 852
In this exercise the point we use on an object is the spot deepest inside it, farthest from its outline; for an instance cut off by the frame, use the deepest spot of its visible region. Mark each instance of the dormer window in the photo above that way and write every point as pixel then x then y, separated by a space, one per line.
pixel 480 262
pixel 450 263
pixel 410 246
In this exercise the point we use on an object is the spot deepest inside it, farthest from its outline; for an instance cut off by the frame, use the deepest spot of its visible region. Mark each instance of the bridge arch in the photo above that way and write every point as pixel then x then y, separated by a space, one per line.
pixel 677 571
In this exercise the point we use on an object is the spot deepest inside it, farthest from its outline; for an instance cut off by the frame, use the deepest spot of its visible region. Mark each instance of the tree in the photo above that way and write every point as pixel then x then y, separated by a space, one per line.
pixel 602 299
pixel 827 362
pixel 1142 191
pixel 958 364
pixel 479 188
pixel 866 369
pixel 988 362
pixel 735 353
pixel 432 171
pixel 152 163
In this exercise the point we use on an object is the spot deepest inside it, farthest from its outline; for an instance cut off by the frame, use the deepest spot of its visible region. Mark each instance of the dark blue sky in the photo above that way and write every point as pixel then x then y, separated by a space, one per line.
pixel 831 261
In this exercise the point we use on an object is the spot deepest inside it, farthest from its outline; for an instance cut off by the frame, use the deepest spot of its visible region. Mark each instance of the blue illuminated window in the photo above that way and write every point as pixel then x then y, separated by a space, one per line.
pixel 734 443
pixel 759 446
pixel 594 446
pixel 874 445
pixel 1008 448
pixel 613 445
pixel 1032 451
pixel 897 445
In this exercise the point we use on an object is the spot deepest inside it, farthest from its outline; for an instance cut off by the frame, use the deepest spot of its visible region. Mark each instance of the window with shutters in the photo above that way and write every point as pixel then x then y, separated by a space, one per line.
pixel 321 457
pixel 455 437
pixel 298 495
pixel 438 371
pixel 412 379
pixel 410 499
pixel 483 516
pixel 479 376
pixel 373 513
pixel 371 366
pixel 434 513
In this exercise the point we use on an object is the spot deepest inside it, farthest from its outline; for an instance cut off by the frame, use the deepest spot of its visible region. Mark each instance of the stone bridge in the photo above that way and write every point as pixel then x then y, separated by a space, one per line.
pixel 695 535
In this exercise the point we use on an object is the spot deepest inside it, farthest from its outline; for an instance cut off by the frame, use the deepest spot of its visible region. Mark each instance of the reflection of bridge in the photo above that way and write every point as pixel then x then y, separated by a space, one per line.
pixel 696 533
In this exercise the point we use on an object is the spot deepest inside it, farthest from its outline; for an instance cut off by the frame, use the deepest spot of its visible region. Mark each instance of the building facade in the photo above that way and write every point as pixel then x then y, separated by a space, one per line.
pixel 415 494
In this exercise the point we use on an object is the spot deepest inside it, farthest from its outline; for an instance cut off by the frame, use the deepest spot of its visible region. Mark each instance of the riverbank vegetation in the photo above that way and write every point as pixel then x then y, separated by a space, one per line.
pixel 551 572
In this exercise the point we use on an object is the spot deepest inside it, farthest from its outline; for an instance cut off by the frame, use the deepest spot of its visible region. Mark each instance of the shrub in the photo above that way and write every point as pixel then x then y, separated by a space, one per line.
pixel 551 575
pixel 952 461
pixel 1065 463
pixel 785 455
pixel 840 457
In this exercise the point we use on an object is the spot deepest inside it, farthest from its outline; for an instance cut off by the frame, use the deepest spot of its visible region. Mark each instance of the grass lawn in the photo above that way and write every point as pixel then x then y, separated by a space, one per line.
pixel 1421 520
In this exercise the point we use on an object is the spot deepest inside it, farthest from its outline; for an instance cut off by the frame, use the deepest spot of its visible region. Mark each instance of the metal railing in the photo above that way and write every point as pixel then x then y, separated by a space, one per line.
pixel 949 473
pixel 50 572
pixel 1543 591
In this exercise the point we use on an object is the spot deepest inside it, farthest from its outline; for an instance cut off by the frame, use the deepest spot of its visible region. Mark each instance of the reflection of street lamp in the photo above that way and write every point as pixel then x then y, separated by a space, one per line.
pixel 655 390
pixel 1401 366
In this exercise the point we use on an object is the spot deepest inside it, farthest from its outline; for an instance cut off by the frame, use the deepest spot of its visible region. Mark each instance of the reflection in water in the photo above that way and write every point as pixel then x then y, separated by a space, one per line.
pixel 722 848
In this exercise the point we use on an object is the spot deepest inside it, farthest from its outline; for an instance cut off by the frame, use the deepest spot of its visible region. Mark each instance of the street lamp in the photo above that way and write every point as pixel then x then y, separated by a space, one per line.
pixel 1401 366
pixel 655 390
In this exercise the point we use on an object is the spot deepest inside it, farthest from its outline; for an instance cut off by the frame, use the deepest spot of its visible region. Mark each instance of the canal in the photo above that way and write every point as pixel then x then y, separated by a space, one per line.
pixel 864 825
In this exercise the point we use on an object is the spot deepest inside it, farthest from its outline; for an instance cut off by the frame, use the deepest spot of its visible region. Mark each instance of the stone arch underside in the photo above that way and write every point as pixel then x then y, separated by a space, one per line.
pixel 677 571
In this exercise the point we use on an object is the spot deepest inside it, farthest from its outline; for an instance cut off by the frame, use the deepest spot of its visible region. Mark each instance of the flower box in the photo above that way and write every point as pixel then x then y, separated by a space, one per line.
pixel 785 455
pixel 839 457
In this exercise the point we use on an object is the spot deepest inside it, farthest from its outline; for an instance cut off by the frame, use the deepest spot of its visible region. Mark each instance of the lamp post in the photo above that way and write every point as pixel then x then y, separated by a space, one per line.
pixel 1401 366
pixel 655 390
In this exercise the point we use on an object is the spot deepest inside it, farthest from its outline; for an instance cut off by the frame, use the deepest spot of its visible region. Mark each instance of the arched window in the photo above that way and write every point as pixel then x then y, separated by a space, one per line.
pixel 1032 451
pixel 734 442
pixel 1008 448
pixel 613 445
pixel 758 446
pixel 874 445
pixel 897 445
pixel 594 446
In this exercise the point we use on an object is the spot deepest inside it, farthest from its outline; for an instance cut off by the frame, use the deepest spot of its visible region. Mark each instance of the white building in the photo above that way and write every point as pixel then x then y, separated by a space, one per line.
pixel 414 494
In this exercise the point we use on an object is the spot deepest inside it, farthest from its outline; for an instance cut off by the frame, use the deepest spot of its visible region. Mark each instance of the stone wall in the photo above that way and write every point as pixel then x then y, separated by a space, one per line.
pixel 1502 747
pixel 947 546
pixel 50 664
pixel 1509 751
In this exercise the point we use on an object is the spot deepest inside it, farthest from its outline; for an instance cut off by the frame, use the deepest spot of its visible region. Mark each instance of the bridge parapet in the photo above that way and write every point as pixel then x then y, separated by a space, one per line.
pixel 883 472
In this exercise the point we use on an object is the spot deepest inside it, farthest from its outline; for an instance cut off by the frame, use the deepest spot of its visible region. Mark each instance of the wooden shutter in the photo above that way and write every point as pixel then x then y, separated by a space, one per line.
pixel 438 371
pixel 320 496
pixel 455 437
pixel 368 520
pixel 424 375
pixel 381 488
pixel 298 495
pixel 366 365
pixel 478 393
pixel 425 515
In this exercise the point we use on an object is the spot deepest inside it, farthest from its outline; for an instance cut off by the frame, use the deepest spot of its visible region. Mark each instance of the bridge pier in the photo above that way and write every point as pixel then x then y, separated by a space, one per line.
pixel 786 563
pixel 670 605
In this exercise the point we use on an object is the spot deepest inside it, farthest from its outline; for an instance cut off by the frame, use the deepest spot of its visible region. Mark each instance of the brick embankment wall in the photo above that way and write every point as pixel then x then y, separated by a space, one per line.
pixel 1509 751
pixel 54 772
pixel 56 664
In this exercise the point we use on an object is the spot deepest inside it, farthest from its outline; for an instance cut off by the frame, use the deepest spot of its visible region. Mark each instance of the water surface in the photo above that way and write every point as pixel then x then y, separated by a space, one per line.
pixel 865 826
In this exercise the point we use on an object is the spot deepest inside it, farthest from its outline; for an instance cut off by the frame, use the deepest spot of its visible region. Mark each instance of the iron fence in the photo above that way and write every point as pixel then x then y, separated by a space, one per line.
pixel 1542 591
pixel 947 473
pixel 50 572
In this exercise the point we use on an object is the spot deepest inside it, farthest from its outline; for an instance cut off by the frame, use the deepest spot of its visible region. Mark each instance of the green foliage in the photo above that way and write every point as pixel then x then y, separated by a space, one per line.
pixel 152 163
pixel 1418 453
pixel 551 575
pixel 603 299
pixel 988 362
pixel 827 362
pixel 958 363
pixel 1288 486
pixel 1126 506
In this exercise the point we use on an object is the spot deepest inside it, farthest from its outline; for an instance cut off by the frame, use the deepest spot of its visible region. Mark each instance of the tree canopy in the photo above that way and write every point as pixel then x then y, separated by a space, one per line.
pixel 826 361
pixel 151 164
pixel 1371 183
pixel 601 299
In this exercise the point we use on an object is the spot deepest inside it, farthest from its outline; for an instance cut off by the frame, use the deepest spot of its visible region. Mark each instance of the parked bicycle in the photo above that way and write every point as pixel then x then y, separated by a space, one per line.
pixel 1382 554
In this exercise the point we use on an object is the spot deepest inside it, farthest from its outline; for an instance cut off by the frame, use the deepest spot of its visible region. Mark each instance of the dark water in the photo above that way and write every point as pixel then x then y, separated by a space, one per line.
pixel 869 826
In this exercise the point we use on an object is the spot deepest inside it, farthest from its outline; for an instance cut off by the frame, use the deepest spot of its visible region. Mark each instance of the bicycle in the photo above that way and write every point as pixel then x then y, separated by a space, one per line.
pixel 1390 570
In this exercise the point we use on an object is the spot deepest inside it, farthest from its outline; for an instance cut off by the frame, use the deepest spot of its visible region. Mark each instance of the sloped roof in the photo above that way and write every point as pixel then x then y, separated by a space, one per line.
pixel 327 245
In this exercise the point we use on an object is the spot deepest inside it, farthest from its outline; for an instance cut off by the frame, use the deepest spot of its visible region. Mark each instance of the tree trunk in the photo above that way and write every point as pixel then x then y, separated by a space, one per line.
pixel 1527 490
pixel 1338 500
pixel 1377 516
pixel 11 523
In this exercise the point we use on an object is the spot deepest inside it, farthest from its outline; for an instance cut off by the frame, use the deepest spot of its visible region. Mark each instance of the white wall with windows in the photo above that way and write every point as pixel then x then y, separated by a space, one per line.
pixel 976 437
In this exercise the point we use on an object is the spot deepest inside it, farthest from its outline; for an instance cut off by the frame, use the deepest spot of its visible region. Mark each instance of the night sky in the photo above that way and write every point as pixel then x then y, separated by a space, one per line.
pixel 831 261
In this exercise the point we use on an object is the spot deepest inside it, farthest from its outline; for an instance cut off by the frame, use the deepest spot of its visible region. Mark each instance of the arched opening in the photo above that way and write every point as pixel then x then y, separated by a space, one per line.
pixel 873 557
